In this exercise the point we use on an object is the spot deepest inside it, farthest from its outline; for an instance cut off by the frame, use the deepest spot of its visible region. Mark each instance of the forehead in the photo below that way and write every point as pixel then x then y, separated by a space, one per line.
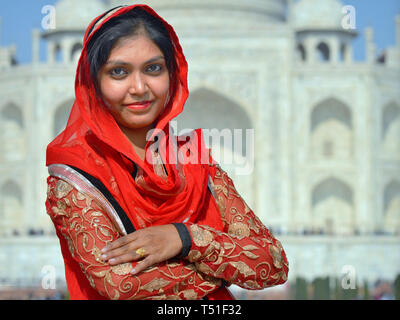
pixel 136 47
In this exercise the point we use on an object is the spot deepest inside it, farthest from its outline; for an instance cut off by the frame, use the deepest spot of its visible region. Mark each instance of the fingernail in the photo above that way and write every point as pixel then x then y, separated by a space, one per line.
pixel 104 256
pixel 104 249
pixel 111 261
pixel 133 271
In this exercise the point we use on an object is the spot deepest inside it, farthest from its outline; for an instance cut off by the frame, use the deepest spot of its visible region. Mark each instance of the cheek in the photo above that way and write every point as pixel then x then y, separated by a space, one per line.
pixel 112 91
pixel 161 87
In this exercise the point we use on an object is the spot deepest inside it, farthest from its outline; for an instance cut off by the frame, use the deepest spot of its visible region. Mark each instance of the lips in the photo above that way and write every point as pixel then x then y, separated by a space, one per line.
pixel 139 105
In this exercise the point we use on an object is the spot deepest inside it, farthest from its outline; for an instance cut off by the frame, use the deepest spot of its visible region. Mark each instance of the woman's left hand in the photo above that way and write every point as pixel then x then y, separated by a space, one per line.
pixel 154 244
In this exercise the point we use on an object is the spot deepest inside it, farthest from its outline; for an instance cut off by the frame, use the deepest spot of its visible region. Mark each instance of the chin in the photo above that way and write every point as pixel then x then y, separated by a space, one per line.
pixel 137 124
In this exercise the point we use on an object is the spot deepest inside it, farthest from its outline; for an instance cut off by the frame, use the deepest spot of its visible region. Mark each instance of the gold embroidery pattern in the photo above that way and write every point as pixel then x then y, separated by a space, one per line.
pixel 86 229
pixel 122 269
pixel 245 253
pixel 201 237
pixel 239 229
pixel 62 189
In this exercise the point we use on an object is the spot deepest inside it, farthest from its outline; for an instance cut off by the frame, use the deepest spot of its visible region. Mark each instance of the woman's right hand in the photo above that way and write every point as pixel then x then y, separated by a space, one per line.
pixel 153 245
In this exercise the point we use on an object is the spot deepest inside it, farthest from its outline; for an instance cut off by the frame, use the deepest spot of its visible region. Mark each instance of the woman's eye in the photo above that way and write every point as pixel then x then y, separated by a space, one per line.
pixel 154 68
pixel 118 72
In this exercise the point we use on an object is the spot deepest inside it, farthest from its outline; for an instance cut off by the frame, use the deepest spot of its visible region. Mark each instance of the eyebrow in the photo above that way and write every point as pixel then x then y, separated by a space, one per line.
pixel 118 62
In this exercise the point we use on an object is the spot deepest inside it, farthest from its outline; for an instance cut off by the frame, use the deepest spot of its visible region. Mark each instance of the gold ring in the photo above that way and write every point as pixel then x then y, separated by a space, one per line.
pixel 141 252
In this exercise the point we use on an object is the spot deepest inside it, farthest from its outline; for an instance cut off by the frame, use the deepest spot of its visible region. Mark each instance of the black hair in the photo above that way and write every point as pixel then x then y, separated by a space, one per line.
pixel 129 24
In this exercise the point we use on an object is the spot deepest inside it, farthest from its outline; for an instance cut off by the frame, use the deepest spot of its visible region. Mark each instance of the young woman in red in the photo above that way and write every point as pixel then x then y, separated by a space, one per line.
pixel 141 213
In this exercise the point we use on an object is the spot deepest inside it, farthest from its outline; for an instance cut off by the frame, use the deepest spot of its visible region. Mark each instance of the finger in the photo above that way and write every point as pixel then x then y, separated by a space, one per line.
pixel 128 257
pixel 130 247
pixel 144 264
pixel 116 253
pixel 119 242
pixel 114 245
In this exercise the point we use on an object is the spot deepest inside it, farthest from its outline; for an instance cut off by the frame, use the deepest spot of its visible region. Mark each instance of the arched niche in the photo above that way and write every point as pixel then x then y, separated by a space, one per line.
pixel 224 123
pixel 323 52
pixel 11 208
pixel 76 52
pixel 331 130
pixel 12 135
pixel 391 207
pixel 11 112
pixel 343 51
pixel 333 207
pixel 208 109
pixel 391 129
pixel 301 52
pixel 58 53
pixel 61 116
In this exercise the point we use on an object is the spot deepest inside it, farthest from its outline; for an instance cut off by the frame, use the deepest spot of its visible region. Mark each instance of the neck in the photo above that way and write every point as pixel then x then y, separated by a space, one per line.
pixel 137 137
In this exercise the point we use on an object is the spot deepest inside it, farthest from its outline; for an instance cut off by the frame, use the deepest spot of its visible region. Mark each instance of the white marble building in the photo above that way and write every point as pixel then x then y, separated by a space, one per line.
pixel 326 176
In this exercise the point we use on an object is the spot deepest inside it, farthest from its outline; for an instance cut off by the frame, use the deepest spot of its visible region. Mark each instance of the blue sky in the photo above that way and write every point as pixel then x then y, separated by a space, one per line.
pixel 19 17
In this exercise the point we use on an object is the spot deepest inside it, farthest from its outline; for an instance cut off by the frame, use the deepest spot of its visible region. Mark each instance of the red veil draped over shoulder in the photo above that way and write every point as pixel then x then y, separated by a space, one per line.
pixel 94 143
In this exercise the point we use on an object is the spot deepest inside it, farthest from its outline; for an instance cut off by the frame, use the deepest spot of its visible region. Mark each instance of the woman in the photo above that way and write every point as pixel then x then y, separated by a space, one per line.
pixel 141 214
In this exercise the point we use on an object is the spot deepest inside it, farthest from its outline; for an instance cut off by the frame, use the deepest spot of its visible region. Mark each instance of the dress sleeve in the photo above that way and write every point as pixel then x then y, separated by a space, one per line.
pixel 245 253
pixel 86 228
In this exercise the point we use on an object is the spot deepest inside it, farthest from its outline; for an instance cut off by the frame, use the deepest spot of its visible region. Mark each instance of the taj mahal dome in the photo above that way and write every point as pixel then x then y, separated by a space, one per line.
pixel 324 129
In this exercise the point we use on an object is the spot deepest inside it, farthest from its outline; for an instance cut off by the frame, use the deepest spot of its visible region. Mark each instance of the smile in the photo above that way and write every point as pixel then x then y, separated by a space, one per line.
pixel 139 106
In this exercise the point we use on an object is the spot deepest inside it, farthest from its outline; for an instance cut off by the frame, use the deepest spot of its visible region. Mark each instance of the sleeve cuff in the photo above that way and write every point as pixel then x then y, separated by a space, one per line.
pixel 186 239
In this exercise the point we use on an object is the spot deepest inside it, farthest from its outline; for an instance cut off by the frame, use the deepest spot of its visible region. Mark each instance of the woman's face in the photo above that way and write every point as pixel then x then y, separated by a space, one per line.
pixel 135 72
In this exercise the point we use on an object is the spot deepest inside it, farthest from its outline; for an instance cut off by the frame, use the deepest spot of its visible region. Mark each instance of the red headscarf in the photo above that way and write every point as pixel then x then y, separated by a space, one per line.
pixel 94 143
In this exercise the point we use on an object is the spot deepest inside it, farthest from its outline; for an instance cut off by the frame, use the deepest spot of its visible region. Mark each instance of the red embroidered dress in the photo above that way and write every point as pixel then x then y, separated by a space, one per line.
pixel 99 189
pixel 244 253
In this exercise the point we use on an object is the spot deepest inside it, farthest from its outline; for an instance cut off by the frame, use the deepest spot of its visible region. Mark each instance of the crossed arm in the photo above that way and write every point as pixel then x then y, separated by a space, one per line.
pixel 244 253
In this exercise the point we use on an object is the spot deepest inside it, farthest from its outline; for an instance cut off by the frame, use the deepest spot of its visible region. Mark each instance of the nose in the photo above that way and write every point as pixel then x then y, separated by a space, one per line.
pixel 138 85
